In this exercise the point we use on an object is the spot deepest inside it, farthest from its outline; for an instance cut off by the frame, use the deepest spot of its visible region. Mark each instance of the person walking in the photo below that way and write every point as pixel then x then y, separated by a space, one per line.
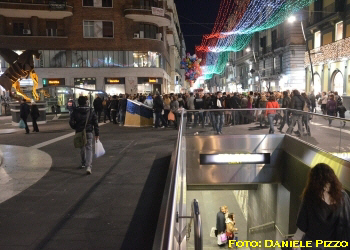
pixel 158 108
pixel 297 103
pixel 198 115
pixel 219 115
pixel 84 117
pixel 220 224
pixel 323 101
pixel 70 106
pixel 312 99
pixel 272 104
pixel 123 102
pixel 230 227
pixel 114 108
pixel 24 112
pixel 262 105
pixel 106 109
pixel 341 110
pixel 34 113
pixel 331 108
pixel 98 106
pixel 166 102
pixel 322 214
pixel 174 106
pixel 285 104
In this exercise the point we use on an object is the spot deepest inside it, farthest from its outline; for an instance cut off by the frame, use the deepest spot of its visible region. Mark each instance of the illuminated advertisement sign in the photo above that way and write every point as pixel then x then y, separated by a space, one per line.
pixel 114 80
pixel 227 159
pixel 152 80
pixel 53 82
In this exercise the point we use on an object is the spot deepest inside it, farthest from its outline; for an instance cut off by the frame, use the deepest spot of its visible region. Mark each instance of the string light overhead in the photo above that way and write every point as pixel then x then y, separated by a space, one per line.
pixel 235 25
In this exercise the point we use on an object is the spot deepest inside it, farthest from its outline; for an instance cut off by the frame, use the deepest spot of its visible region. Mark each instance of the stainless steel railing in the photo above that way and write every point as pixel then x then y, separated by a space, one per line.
pixel 268 224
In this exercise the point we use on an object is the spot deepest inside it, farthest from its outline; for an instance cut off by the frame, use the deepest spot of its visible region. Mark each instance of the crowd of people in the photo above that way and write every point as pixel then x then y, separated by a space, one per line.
pixel 167 109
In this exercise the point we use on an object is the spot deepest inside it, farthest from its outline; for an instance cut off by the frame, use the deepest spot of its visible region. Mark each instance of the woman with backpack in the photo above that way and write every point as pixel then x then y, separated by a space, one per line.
pixel 331 108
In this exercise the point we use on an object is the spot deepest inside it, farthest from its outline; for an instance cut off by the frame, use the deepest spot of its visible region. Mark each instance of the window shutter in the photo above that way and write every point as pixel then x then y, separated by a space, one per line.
pixel 98 29
pixel 97 3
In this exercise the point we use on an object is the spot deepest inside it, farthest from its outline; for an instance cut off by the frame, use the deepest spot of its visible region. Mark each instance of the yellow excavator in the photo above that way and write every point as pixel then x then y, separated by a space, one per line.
pixel 21 67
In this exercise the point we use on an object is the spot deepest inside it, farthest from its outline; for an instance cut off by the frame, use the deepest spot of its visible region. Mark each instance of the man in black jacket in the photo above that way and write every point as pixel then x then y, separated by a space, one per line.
pixel 219 115
pixel 123 101
pixel 235 103
pixel 77 121
pixel 114 108
pixel 297 103
pixel 158 107
pixel 24 112
pixel 220 221
pixel 98 106
pixel 199 105
pixel 285 104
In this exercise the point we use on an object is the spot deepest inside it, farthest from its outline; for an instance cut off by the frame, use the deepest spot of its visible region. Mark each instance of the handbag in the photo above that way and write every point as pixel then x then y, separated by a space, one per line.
pixel 223 237
pixel 21 124
pixel 171 116
pixel 80 137
pixel 212 232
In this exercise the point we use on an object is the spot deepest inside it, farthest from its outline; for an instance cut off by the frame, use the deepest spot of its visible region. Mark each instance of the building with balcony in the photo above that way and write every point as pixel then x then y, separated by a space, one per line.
pixel 113 46
pixel 281 52
pixel 328 32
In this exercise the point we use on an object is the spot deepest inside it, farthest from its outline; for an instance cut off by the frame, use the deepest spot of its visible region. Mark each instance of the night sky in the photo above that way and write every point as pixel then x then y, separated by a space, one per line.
pixel 196 11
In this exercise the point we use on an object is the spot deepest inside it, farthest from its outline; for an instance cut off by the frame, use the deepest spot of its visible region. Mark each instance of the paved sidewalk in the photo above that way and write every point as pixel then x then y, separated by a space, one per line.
pixel 117 207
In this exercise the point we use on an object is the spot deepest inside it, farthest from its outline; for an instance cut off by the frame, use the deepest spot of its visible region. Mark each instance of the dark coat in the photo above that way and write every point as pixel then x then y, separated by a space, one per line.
pixel 286 102
pixel 235 102
pixel 98 104
pixel 198 103
pixel 216 103
pixel 158 104
pixel 297 102
pixel 34 112
pixel 114 105
pixel 78 119
pixel 24 110
pixel 220 222
pixel 122 105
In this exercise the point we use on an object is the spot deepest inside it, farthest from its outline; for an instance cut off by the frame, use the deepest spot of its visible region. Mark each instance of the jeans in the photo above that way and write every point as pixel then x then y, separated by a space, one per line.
pixel 212 120
pixel 98 115
pixel 296 119
pixel 306 123
pixel 271 117
pixel 285 119
pixel 201 116
pixel 86 151
pixel 235 117
pixel 220 119
pixel 159 117
pixel 122 117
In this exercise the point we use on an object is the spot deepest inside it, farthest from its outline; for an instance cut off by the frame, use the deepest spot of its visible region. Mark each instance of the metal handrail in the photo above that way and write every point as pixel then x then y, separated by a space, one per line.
pixel 261 226
pixel 271 109
pixel 164 237
pixel 284 236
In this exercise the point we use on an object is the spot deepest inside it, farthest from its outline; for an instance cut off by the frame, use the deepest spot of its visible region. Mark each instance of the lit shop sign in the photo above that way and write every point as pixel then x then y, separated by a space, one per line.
pixel 55 82
pixel 152 80
pixel 115 80
pixel 226 159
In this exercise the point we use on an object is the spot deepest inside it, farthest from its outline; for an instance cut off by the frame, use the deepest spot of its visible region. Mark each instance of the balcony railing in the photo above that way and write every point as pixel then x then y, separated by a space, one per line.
pixel 160 4
pixel 331 52
pixel 52 4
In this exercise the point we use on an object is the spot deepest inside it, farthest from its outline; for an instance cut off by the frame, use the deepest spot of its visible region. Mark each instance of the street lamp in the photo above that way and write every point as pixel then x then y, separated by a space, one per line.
pixel 247 49
pixel 292 19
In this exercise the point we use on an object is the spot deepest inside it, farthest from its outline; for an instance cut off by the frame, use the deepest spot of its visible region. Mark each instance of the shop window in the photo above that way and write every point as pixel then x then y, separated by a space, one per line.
pixel 339 31
pixel 18 28
pixel 317 39
pixel 51 28
pixel 107 3
pixel 88 2
pixel 77 59
pixel 107 29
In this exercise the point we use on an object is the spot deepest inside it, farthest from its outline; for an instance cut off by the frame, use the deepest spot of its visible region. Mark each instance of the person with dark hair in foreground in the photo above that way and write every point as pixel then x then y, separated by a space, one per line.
pixel 324 212
pixel 84 117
